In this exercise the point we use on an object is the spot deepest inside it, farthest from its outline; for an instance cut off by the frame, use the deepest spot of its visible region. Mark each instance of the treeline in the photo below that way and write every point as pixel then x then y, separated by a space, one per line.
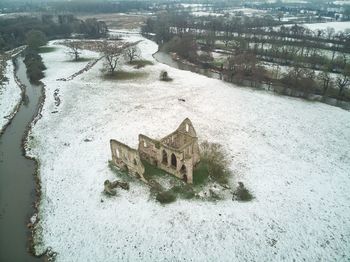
pixel 283 45
pixel 169 23
pixel 35 66
pixel 75 6
pixel 166 24
pixel 13 30
pixel 246 47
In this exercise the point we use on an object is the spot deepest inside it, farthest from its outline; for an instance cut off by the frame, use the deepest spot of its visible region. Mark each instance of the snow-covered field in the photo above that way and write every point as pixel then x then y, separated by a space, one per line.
pixel 338 26
pixel 293 155
pixel 10 96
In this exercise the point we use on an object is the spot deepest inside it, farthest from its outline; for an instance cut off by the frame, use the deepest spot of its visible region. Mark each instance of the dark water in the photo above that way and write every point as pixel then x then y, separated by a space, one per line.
pixel 165 58
pixel 17 186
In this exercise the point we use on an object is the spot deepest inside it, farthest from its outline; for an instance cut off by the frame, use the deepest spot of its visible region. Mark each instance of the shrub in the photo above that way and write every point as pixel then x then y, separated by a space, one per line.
pixel 241 193
pixel 184 191
pixel 166 197
pixel 214 157
pixel 164 76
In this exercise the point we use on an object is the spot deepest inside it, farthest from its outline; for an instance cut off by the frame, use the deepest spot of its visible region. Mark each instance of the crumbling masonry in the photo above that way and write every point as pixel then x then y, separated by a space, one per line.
pixel 177 153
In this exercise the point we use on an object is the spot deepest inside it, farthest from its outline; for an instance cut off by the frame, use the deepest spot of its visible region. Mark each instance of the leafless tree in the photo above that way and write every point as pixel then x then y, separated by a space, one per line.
pixel 343 81
pixel 113 53
pixel 74 49
pixel 132 53
pixel 299 78
pixel 325 78
pixel 330 31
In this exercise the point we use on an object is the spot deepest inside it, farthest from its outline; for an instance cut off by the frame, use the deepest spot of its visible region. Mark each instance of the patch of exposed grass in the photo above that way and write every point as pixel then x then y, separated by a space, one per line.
pixel 152 171
pixel 214 158
pixel 46 49
pixel 125 75
pixel 166 197
pixel 185 191
pixel 81 59
pixel 200 173
pixel 140 63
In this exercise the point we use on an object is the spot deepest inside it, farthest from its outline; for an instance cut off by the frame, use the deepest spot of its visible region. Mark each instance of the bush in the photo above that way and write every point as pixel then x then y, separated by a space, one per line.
pixel 184 191
pixel 164 76
pixel 166 197
pixel 241 193
pixel 214 157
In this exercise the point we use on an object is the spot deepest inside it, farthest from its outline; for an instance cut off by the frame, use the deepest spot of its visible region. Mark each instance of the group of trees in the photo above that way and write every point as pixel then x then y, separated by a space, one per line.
pixel 91 6
pixel 35 31
pixel 13 31
pixel 248 41
pixel 114 53
pixel 185 46
pixel 33 61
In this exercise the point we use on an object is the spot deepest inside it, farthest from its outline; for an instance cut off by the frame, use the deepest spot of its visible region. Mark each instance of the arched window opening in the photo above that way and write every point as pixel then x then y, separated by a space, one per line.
pixel 164 158
pixel 173 161
pixel 117 152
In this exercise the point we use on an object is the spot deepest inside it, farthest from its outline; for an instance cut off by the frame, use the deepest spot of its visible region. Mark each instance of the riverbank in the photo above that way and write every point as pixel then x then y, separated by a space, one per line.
pixel 290 153
pixel 17 173
pixel 10 97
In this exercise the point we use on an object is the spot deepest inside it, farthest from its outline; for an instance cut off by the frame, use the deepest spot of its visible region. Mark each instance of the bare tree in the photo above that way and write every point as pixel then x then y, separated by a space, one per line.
pixel 113 54
pixel 343 81
pixel 325 78
pixel 330 31
pixel 132 53
pixel 74 49
pixel 302 79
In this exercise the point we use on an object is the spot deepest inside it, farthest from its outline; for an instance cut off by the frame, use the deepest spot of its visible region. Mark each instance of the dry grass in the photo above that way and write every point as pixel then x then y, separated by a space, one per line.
pixel 119 21
pixel 125 75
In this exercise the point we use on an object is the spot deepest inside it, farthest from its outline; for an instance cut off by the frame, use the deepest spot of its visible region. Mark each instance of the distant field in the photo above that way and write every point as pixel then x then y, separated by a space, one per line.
pixel 338 26
pixel 119 20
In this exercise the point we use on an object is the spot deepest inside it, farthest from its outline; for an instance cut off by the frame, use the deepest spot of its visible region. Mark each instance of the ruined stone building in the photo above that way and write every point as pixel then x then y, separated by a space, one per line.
pixel 176 153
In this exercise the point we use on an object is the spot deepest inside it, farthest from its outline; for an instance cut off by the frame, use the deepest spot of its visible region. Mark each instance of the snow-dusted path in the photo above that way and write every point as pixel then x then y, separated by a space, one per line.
pixel 292 154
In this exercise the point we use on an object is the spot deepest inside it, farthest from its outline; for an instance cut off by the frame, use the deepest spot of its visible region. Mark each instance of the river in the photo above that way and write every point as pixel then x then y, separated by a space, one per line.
pixel 17 185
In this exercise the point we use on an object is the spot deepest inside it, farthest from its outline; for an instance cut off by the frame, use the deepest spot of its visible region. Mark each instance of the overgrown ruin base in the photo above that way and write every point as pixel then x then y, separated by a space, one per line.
pixel 176 153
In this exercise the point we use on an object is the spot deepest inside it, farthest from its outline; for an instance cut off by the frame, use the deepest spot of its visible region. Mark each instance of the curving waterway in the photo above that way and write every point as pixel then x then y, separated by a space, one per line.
pixel 17 184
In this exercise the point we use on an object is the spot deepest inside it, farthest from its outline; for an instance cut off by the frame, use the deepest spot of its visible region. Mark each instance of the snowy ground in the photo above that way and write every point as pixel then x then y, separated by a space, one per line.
pixel 338 26
pixel 10 96
pixel 292 154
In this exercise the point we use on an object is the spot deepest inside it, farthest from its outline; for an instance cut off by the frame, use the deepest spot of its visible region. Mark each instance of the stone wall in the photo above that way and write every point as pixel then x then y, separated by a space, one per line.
pixel 149 149
pixel 127 159
pixel 176 153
